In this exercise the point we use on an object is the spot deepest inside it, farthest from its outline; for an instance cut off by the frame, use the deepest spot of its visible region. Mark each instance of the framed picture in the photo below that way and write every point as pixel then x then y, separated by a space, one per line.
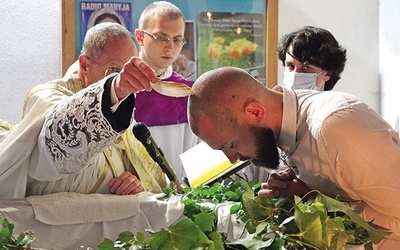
pixel 241 33
pixel 186 62
pixel 92 13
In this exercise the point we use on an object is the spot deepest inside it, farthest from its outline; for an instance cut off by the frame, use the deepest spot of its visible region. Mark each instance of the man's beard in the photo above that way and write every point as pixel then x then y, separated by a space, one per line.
pixel 266 150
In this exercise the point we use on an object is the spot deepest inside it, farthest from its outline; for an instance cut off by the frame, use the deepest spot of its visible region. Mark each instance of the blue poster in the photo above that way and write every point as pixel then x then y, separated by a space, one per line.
pixel 92 13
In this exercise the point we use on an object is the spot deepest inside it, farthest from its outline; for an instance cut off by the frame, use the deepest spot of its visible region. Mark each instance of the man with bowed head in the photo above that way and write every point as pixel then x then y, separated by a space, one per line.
pixel 312 59
pixel 76 132
pixel 332 141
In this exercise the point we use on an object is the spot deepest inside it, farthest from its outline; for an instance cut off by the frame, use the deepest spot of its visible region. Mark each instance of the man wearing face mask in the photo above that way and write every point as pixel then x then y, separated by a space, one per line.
pixel 312 57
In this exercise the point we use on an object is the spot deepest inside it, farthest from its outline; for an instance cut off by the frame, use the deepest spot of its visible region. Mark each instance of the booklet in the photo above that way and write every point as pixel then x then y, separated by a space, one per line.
pixel 204 165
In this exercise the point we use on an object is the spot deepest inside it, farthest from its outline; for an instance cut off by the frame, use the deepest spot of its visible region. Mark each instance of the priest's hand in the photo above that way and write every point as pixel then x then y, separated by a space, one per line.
pixel 134 77
pixel 125 184
pixel 177 184
pixel 283 183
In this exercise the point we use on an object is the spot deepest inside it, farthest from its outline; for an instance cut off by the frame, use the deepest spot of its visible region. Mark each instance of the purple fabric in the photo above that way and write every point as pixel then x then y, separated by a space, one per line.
pixel 155 109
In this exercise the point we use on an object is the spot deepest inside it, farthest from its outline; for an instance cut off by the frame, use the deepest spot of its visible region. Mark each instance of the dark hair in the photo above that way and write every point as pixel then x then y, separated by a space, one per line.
pixel 318 47
pixel 106 15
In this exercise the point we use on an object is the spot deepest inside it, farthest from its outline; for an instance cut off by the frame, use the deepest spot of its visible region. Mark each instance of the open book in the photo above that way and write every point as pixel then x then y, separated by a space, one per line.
pixel 204 165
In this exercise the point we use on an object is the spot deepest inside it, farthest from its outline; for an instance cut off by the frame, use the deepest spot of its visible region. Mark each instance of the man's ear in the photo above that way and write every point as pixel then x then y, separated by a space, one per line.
pixel 327 76
pixel 83 62
pixel 254 111
pixel 139 36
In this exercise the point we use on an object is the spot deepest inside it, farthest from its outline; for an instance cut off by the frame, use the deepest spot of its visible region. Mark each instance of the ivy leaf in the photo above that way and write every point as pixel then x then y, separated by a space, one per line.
pixel 335 233
pixel 183 235
pixel 125 236
pixel 334 205
pixel 140 237
pixel 235 208
pixel 8 241
pixel 217 239
pixel 24 238
pixel 6 233
pixel 310 226
pixel 340 240
pixel 106 244
pixel 252 244
pixel 261 227
pixel 257 208
pixel 204 221
pixel 191 208
pixel 231 195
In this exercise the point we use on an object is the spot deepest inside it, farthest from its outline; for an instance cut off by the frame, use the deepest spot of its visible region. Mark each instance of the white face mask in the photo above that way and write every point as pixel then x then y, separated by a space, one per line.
pixel 296 80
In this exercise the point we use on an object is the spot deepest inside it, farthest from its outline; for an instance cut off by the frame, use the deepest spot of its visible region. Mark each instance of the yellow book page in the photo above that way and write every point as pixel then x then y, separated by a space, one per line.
pixel 202 163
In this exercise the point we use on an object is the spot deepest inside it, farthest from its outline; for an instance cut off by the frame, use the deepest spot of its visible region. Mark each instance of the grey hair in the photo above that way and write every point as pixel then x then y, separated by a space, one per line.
pixel 97 37
pixel 162 8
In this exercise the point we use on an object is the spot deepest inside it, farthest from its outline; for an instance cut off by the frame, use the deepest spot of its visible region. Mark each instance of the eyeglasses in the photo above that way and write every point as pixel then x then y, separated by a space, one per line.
pixel 107 71
pixel 165 39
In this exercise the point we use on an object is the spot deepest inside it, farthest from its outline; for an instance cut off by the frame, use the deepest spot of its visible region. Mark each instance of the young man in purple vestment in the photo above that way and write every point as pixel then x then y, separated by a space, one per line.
pixel 160 34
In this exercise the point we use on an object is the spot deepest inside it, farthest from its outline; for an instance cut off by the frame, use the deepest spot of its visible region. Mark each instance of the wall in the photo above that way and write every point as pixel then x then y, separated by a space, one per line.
pixel 30 51
pixel 31 42
pixel 389 59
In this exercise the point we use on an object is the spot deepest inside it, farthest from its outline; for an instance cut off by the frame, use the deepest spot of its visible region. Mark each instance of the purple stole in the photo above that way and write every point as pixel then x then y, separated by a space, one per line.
pixel 155 109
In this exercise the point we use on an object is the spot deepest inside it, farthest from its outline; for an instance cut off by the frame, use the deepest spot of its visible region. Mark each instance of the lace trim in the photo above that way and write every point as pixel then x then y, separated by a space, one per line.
pixel 7 125
pixel 77 130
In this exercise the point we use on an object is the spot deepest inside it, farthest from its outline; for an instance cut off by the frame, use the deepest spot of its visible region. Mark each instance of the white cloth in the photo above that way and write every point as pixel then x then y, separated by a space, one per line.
pixel 344 149
pixel 15 151
pixel 229 224
pixel 74 208
pixel 154 214
pixel 173 141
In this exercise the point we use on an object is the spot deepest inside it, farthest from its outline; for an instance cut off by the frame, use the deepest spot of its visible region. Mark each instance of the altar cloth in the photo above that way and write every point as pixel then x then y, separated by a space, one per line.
pixel 153 214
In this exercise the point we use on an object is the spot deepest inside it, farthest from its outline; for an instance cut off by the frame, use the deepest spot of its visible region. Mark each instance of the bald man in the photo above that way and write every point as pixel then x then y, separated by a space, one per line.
pixel 329 140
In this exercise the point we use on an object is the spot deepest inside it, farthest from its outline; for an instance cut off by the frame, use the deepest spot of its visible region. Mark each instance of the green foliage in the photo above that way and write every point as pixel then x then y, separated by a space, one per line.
pixel 317 223
pixel 8 241
pixel 285 223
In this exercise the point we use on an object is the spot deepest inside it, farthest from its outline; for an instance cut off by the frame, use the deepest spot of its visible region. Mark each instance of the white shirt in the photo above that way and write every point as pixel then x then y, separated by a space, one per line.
pixel 341 147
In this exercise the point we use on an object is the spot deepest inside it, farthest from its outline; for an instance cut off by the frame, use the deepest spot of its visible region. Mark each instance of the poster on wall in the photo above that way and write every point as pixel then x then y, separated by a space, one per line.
pixel 185 63
pixel 92 13
pixel 215 26
pixel 231 39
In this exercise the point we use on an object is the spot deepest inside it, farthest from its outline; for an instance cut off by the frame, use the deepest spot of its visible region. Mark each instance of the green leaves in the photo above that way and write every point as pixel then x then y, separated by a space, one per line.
pixel 8 241
pixel 184 235
pixel 310 226
pixel 285 223
pixel 258 208
pixel 375 236
pixel 204 221
pixel 318 223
